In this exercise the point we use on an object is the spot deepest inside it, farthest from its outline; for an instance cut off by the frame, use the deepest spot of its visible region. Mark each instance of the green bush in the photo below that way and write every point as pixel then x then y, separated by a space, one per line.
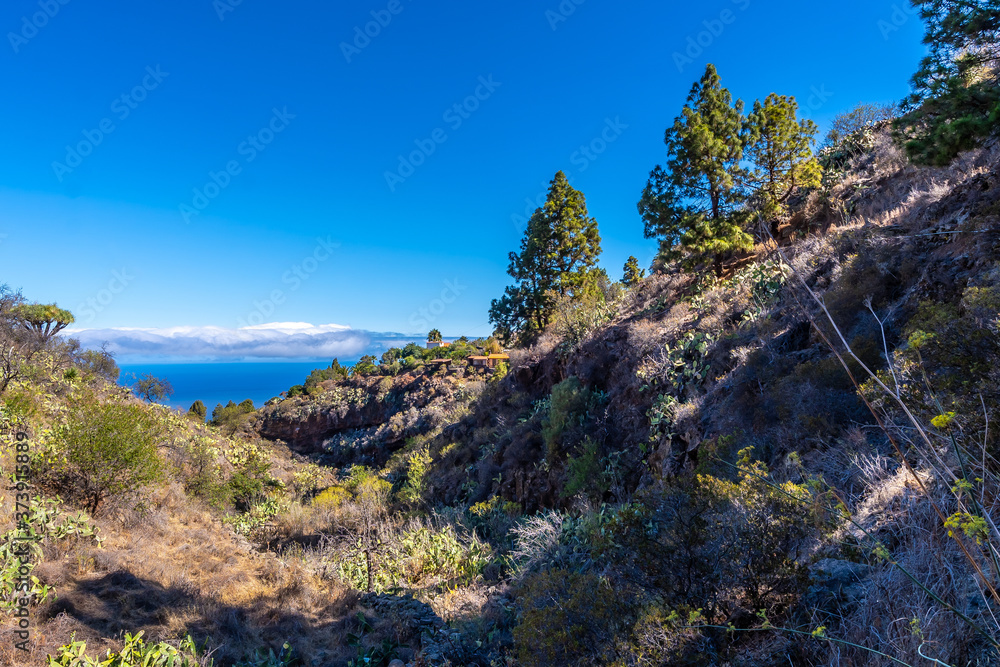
pixel 586 472
pixel 135 653
pixel 569 400
pixel 230 416
pixel 110 449
pixel 567 618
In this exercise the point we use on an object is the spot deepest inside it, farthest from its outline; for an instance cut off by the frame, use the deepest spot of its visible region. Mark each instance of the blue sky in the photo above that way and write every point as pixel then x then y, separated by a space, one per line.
pixel 292 135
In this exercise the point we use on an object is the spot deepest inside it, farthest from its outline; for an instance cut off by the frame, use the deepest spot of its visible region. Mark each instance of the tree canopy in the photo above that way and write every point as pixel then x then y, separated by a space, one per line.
pixel 44 319
pixel 778 146
pixel 151 388
pixel 956 92
pixel 693 203
pixel 560 248
pixel 632 272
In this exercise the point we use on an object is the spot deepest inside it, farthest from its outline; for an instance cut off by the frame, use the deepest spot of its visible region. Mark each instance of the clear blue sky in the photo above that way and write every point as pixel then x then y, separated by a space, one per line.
pixel 553 86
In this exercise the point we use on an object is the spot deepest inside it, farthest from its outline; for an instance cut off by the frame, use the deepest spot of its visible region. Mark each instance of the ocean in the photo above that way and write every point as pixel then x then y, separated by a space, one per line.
pixel 214 383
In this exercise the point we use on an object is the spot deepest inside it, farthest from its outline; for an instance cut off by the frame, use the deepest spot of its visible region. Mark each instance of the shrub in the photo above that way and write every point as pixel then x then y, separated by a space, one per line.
pixel 567 618
pixel 152 389
pixel 307 480
pixel 586 472
pixel 569 399
pixel 230 416
pixel 206 479
pixel 101 363
pixel 198 411
pixel 110 450
pixel 418 465
pixel 331 498
pixel 252 471
pixel 135 653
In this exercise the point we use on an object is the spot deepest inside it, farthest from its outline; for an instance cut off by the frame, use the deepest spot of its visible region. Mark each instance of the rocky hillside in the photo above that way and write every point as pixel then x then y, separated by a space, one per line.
pixel 793 463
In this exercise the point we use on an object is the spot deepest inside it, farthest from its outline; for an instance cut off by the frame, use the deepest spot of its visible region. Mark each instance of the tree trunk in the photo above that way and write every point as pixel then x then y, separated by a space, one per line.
pixel 368 561
pixel 718 266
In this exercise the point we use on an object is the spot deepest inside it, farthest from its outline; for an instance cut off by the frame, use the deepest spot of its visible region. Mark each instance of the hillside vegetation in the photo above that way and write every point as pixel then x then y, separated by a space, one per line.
pixel 779 447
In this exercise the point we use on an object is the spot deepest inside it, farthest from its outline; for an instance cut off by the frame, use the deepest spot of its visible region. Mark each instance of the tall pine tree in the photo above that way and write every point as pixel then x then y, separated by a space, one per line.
pixel 779 148
pixel 559 251
pixel 692 204
pixel 956 91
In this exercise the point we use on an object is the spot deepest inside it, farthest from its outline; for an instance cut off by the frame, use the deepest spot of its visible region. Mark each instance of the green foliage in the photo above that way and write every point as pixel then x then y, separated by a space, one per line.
pixel 206 479
pixel 151 389
pixel 311 386
pixel 110 450
pixel 100 363
pixel 306 481
pixel 198 411
pixel 251 472
pixel 778 146
pixel 285 657
pixel 135 653
pixel 576 316
pixel 632 273
pixel 260 510
pixel 568 404
pixel 692 204
pixel 418 465
pixel 365 366
pixel 20 548
pixel 560 247
pixel 44 319
pixel 229 417
pixel 434 336
pixel 586 472
pixel 956 96
pixel 566 618
pixel 379 655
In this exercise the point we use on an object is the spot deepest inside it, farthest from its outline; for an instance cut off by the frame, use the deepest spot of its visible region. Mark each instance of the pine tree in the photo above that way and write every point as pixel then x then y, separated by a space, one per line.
pixel 198 411
pixel 693 203
pixel 779 147
pixel 633 274
pixel 956 91
pixel 560 247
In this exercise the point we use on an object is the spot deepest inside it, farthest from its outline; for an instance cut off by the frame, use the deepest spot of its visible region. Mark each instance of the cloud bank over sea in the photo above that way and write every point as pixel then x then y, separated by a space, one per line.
pixel 265 342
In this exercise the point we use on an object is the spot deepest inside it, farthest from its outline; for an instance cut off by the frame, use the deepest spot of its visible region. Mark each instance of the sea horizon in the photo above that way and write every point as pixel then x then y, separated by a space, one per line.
pixel 215 382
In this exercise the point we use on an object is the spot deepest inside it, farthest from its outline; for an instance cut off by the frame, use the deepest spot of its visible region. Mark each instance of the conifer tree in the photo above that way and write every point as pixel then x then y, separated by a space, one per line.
pixel 779 148
pixel 633 274
pixel 198 411
pixel 956 91
pixel 692 203
pixel 561 245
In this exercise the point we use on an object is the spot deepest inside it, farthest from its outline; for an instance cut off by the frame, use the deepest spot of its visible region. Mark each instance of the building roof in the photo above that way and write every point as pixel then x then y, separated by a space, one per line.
pixel 499 356
pixel 478 358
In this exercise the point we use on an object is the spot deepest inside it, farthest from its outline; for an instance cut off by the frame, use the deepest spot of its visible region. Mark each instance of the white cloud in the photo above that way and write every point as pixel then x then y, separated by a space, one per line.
pixel 281 340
